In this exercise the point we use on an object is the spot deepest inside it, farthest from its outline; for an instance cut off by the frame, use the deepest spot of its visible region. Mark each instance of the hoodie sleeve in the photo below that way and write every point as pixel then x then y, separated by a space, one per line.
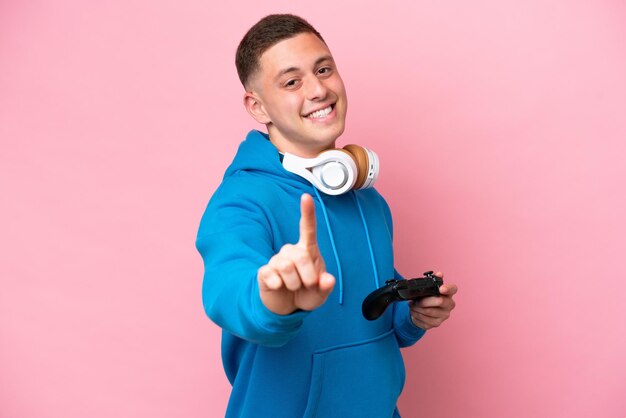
pixel 407 333
pixel 234 240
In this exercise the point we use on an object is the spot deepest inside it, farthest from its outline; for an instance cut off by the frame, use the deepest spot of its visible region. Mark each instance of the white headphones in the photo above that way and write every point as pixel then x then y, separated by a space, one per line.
pixel 337 171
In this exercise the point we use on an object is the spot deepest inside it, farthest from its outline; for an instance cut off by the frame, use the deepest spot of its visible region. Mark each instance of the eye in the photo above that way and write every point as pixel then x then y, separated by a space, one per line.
pixel 325 70
pixel 291 83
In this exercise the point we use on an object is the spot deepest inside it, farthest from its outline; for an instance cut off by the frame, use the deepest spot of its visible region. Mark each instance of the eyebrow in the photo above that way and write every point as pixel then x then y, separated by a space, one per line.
pixel 294 69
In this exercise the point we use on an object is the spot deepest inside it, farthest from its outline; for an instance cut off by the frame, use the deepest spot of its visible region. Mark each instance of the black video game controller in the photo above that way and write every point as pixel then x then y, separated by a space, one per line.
pixel 396 290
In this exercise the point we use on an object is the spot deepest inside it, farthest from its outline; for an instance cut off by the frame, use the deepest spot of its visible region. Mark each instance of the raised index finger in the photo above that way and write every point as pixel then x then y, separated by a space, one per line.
pixel 308 236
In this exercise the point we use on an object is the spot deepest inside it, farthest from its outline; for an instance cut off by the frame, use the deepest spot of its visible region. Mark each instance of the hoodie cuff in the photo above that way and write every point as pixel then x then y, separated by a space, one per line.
pixel 272 322
pixel 407 332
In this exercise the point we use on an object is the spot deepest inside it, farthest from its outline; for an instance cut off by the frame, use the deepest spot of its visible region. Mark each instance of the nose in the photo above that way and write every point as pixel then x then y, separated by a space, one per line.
pixel 316 89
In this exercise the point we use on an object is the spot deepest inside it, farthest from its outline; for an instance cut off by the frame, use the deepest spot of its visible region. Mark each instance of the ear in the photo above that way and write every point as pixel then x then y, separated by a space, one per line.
pixel 255 108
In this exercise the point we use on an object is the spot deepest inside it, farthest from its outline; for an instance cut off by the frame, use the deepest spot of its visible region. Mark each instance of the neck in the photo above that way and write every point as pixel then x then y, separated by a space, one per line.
pixel 300 149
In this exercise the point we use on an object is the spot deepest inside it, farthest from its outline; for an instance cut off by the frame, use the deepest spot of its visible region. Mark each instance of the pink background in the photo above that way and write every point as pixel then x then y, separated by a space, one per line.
pixel 501 127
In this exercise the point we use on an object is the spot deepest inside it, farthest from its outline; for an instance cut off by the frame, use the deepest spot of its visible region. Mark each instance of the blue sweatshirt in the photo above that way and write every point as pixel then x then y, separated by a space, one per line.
pixel 330 362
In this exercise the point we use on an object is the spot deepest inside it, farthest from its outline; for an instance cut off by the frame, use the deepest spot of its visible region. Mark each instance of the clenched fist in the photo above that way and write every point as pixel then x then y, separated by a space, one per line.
pixel 296 277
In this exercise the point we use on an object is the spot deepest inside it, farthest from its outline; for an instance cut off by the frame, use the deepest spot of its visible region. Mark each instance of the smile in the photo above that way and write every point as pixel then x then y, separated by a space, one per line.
pixel 318 114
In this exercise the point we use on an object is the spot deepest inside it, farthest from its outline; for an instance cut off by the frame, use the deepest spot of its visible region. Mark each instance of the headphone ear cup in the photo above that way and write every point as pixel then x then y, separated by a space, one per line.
pixel 359 155
pixel 332 172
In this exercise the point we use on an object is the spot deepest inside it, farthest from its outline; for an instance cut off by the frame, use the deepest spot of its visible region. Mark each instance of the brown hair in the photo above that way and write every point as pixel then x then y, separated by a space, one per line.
pixel 263 35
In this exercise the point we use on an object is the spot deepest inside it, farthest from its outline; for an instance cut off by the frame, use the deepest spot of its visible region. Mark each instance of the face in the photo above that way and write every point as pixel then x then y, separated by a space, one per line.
pixel 299 95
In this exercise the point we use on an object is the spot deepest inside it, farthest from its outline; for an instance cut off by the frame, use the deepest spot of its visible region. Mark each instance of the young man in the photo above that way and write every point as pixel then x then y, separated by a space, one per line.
pixel 287 267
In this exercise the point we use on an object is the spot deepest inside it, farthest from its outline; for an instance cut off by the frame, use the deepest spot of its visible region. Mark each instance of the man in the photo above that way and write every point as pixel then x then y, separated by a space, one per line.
pixel 287 267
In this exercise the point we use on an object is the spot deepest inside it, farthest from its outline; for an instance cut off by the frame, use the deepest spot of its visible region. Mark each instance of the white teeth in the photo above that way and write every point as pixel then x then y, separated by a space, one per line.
pixel 320 113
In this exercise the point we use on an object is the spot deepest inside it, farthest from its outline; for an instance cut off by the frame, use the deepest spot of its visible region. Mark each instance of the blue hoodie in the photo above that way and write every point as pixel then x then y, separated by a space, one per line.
pixel 330 362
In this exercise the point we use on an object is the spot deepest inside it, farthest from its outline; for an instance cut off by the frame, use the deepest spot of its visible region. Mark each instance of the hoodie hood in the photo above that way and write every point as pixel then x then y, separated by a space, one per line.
pixel 257 154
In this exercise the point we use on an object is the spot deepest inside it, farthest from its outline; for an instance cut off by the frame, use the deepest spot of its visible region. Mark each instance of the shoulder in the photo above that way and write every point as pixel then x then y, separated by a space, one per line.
pixel 245 186
pixel 248 197
pixel 238 204
pixel 373 197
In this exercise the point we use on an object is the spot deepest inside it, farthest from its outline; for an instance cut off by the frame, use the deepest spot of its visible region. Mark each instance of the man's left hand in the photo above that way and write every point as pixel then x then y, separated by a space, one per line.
pixel 431 311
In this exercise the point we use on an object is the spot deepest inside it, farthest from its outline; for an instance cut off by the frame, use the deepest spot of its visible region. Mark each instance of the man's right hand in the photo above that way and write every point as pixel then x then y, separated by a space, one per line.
pixel 296 277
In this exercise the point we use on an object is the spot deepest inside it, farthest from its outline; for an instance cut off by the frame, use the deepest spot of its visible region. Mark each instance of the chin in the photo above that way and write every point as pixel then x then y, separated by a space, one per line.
pixel 329 138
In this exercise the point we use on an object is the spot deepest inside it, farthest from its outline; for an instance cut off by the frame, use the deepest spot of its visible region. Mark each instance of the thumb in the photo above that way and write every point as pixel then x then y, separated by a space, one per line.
pixel 448 289
pixel 326 282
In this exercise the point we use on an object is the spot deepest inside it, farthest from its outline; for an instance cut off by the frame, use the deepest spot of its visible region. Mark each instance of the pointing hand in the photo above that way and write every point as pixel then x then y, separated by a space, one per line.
pixel 296 277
